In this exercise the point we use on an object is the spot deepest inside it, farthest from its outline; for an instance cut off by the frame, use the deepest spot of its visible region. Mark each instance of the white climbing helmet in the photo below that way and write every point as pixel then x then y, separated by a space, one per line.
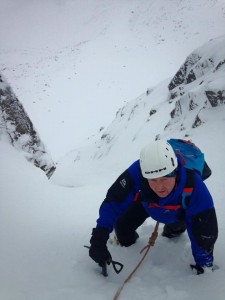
pixel 157 159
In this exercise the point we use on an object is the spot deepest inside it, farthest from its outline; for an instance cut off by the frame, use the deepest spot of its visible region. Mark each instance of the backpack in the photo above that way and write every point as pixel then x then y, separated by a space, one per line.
pixel 191 156
pixel 193 160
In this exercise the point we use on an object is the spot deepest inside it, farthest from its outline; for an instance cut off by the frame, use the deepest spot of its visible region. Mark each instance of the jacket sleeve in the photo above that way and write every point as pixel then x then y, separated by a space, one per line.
pixel 118 197
pixel 201 223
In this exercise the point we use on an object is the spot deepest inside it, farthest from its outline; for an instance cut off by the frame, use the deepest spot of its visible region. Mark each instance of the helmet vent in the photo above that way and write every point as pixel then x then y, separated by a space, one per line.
pixel 172 160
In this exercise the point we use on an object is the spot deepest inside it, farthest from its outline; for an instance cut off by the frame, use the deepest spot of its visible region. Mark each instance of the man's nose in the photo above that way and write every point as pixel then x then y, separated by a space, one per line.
pixel 160 186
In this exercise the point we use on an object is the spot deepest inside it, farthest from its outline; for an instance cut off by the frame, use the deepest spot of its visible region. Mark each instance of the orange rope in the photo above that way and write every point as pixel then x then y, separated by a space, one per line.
pixel 151 243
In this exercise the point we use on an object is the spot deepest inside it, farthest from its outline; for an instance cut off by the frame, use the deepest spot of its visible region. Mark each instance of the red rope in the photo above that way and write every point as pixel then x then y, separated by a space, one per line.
pixel 151 243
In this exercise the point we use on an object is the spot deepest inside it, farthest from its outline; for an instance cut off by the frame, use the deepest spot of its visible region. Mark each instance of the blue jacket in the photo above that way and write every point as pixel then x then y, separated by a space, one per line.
pixel 199 216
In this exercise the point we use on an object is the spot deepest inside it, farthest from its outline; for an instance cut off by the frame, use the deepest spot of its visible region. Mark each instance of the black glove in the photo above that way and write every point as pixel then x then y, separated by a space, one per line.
pixel 200 270
pixel 98 250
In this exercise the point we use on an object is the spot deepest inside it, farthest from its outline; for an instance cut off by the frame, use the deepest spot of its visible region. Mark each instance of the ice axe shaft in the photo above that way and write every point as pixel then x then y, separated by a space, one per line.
pixel 104 269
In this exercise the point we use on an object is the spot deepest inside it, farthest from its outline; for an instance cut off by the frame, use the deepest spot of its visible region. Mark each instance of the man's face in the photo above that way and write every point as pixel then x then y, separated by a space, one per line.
pixel 162 186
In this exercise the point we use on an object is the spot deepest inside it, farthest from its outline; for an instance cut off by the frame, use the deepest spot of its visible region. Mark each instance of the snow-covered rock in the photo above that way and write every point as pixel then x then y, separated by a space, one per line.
pixel 17 127
pixel 198 86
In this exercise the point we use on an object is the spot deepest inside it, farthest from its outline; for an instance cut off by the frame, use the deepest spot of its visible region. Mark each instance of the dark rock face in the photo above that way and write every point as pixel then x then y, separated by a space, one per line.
pixel 20 130
pixel 216 98
pixel 185 74
pixel 199 84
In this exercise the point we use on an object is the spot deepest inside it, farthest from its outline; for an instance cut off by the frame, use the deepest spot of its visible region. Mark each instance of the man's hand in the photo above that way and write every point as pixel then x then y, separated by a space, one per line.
pixel 98 250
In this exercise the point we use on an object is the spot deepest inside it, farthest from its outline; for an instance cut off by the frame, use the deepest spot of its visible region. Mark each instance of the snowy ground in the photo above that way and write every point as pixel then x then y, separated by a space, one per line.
pixel 44 227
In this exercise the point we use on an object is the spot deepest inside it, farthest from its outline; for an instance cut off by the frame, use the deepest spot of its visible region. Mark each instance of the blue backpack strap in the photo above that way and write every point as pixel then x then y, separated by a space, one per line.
pixel 188 189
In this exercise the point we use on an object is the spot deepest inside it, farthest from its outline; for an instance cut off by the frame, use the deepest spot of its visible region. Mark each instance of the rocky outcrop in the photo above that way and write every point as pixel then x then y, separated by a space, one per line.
pixel 199 84
pixel 216 98
pixel 186 73
pixel 16 124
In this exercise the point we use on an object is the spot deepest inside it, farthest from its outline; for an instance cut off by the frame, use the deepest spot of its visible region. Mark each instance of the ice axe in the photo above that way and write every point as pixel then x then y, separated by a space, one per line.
pixel 117 266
